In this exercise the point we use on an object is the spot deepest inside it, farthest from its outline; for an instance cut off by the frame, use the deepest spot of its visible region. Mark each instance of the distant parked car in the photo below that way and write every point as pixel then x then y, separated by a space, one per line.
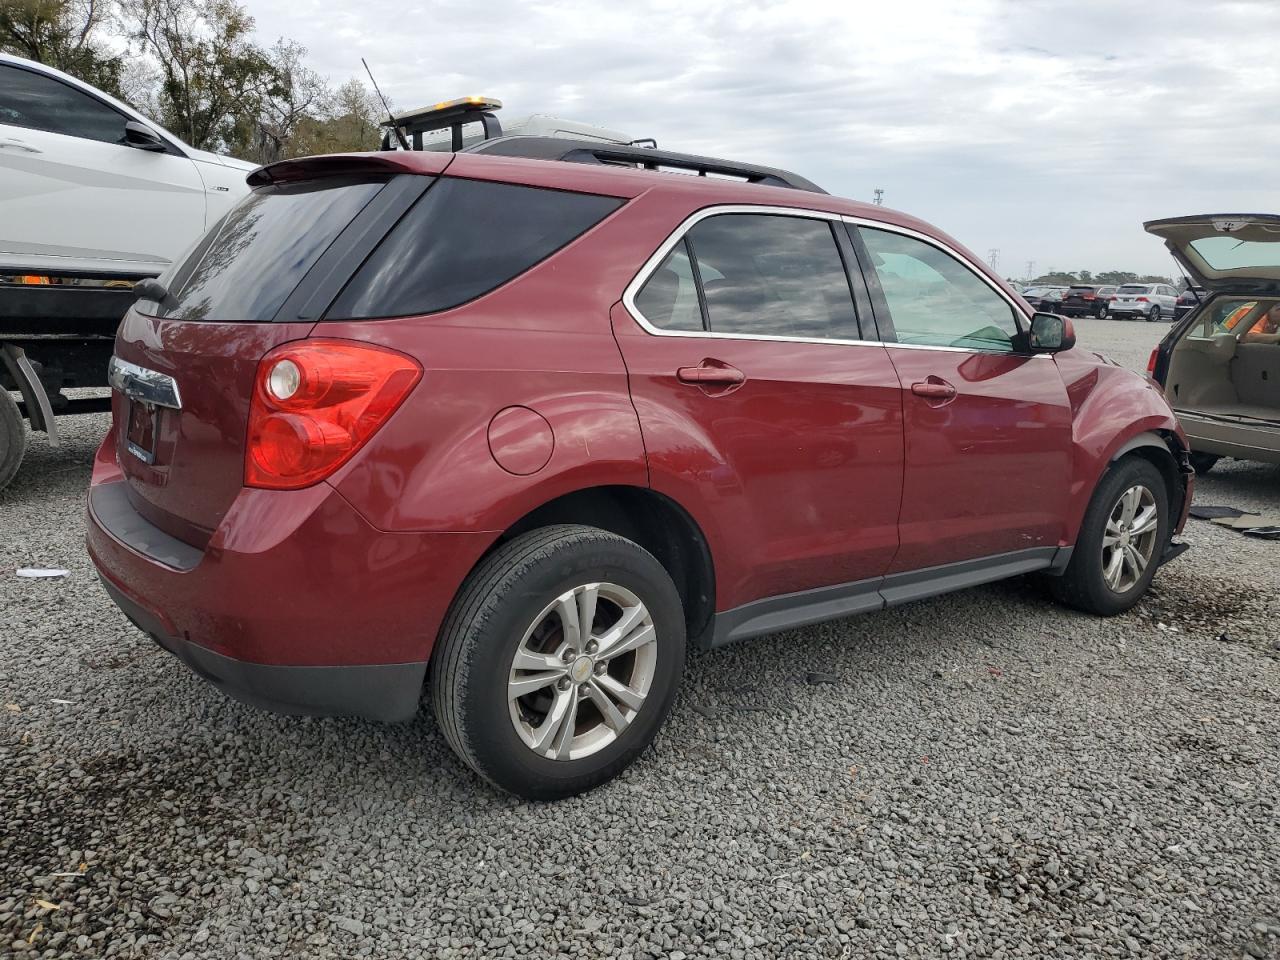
pixel 1147 301
pixel 1044 298
pixel 1188 300
pixel 1086 299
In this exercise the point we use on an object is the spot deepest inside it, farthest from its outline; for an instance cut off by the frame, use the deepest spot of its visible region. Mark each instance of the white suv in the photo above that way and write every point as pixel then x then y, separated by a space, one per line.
pixel 90 186
pixel 1148 301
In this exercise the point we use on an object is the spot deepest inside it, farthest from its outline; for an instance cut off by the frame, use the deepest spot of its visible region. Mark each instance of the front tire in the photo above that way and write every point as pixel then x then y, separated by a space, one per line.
pixel 558 661
pixel 1121 540
pixel 13 438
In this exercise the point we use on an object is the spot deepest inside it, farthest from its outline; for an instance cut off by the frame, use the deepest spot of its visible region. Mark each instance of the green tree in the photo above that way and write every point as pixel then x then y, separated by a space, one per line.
pixel 65 34
pixel 214 80
pixel 1054 278
pixel 1116 277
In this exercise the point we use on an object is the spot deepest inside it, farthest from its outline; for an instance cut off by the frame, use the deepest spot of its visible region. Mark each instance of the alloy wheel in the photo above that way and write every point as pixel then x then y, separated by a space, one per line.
pixel 1129 541
pixel 582 671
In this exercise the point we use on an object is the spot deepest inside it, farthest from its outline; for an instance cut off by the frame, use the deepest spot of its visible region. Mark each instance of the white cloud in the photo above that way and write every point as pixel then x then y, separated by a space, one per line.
pixel 1050 130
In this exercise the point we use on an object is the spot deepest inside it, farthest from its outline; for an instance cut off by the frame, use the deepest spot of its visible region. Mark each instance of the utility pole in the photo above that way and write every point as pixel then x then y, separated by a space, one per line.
pixel 1031 270
pixel 993 259
pixel 879 200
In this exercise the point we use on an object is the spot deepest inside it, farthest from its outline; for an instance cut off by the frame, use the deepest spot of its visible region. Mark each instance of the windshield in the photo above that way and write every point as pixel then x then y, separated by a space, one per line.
pixel 1134 288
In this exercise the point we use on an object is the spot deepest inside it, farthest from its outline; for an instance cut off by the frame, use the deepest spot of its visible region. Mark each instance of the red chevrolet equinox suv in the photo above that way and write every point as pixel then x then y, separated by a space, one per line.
pixel 513 426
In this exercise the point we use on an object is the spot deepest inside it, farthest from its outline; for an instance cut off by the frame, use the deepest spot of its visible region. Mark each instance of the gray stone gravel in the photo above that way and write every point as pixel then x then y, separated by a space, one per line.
pixel 981 775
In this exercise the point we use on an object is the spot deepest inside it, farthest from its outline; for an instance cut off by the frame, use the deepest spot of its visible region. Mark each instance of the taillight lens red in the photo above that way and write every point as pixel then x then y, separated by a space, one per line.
pixel 315 403
pixel 1142 299
pixel 1151 361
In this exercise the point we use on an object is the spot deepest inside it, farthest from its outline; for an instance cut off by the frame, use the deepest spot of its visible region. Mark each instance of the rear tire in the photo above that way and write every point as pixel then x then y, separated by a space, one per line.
pixel 1202 463
pixel 1091 583
pixel 1154 315
pixel 13 438
pixel 515 625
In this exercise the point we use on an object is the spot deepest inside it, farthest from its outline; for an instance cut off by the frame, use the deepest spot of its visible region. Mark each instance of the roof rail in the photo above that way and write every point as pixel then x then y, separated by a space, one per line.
pixel 585 151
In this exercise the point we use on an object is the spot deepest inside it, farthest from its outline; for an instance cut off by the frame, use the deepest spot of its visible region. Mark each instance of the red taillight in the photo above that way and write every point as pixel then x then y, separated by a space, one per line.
pixel 1089 296
pixel 315 403
pixel 1151 362
pixel 1141 299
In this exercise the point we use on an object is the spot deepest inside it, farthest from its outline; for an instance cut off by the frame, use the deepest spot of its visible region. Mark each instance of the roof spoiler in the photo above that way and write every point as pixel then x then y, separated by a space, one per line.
pixel 585 151
pixel 341 165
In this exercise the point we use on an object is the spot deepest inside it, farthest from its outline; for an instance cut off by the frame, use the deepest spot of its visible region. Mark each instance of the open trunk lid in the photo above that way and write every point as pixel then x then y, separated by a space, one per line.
pixel 1225 252
pixel 185 362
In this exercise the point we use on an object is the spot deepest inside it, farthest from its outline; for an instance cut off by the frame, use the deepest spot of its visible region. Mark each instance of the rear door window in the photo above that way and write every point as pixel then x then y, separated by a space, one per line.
pixel 772 275
pixel 249 263
pixel 461 240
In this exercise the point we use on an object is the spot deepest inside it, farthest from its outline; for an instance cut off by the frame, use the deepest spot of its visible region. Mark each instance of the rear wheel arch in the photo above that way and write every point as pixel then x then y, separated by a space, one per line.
pixel 654 521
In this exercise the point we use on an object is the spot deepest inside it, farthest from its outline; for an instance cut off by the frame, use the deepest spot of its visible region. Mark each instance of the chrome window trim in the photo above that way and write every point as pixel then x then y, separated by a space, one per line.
pixel 146 386
pixel 689 222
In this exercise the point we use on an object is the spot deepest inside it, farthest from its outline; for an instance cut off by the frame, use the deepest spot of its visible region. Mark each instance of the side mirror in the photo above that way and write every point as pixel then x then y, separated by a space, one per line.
pixel 143 137
pixel 1050 333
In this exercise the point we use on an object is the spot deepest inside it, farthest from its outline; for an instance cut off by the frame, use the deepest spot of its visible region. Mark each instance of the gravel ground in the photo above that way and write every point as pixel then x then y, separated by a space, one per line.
pixel 989 776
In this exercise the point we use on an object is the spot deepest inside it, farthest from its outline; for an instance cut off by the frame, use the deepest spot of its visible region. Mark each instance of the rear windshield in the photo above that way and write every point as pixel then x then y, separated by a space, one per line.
pixel 245 267
pixel 1080 290
pixel 1230 253
pixel 1134 288
pixel 462 239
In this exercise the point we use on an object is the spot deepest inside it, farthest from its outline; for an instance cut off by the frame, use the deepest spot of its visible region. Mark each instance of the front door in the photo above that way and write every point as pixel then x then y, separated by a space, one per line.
pixel 760 409
pixel 75 196
pixel 988 431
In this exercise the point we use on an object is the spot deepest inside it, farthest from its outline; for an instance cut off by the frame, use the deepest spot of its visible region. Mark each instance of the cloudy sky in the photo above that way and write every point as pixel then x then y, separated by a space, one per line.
pixel 1049 130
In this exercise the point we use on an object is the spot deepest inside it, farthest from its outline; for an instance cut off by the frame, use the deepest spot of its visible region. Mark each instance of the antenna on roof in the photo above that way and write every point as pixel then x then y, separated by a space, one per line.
pixel 404 144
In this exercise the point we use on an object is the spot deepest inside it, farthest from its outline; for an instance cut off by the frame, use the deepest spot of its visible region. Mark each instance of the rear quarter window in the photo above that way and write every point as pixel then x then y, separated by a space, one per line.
pixel 461 240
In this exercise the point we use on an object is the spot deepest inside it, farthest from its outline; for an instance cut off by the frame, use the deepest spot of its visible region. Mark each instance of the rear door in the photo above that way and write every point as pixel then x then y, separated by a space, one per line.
pixel 762 407
pixel 988 430
pixel 75 196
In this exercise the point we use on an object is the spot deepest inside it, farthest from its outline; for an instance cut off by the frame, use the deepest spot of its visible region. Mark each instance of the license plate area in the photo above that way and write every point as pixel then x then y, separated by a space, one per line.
pixel 144 430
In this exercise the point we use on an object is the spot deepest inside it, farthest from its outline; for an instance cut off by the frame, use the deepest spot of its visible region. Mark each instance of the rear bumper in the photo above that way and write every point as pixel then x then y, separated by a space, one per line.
pixel 383 691
pixel 297 604
pixel 1225 438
